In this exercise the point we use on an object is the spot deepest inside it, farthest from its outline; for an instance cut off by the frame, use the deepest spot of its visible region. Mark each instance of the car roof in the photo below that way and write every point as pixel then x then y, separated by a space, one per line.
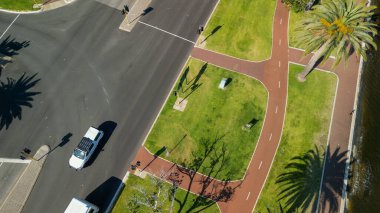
pixel 91 133
pixel 77 205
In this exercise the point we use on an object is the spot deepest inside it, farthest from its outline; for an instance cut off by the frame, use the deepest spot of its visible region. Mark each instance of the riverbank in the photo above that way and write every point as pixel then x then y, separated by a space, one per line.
pixel 364 186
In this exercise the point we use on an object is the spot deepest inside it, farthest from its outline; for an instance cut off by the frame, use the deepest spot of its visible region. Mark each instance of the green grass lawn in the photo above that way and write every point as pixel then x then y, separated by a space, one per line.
pixel 19 5
pixel 306 125
pixel 294 18
pixel 211 113
pixel 246 28
pixel 123 204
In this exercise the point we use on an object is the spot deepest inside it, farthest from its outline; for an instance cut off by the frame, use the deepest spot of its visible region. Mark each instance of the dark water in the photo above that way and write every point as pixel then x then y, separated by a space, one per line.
pixel 365 183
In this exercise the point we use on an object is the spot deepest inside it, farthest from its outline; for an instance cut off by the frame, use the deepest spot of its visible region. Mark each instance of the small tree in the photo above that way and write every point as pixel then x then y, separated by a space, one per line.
pixel 299 5
pixel 155 199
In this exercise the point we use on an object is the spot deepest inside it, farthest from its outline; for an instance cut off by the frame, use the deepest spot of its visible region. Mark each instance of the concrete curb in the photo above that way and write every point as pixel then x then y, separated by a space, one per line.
pixel 16 199
pixel 137 11
pixel 45 7
pixel 20 12
pixel 56 4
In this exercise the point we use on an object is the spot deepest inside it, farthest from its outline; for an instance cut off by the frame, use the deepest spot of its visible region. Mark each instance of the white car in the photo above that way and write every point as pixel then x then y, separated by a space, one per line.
pixel 81 206
pixel 85 148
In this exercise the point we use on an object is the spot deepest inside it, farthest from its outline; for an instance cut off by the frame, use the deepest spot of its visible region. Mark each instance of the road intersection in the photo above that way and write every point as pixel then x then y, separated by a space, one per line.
pixel 91 73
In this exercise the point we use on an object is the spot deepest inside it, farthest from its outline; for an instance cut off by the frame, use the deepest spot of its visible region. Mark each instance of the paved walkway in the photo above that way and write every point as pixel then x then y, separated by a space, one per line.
pixel 15 200
pixel 273 73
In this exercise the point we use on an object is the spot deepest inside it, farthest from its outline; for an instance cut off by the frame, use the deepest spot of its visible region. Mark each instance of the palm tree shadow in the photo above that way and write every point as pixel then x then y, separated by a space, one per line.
pixel 14 95
pixel 300 185
pixel 333 180
pixel 9 47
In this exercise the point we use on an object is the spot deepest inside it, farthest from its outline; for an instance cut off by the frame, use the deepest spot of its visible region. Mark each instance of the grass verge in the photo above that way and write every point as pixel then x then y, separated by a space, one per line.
pixel 213 119
pixel 136 187
pixel 307 123
pixel 242 28
pixel 293 19
pixel 19 5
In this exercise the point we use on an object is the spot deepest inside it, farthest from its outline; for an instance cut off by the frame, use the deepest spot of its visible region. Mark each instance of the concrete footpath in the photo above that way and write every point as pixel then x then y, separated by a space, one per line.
pixel 16 199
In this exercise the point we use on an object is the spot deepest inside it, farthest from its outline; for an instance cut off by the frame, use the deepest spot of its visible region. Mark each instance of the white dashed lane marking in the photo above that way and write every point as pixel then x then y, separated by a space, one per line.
pixel 270 137
pixel 280 21
pixel 261 163
pixel 249 193
pixel 279 84
pixel 276 109
pixel 279 63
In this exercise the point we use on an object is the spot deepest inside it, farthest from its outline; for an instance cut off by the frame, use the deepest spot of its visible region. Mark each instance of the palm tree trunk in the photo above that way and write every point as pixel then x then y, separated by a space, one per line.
pixel 313 61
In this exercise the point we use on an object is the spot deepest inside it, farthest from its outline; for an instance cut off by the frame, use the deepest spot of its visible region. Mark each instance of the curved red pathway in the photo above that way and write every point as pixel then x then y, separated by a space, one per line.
pixel 242 196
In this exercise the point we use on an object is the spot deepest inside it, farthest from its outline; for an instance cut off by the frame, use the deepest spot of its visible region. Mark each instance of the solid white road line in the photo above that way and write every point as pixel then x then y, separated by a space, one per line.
pixel 270 137
pixel 261 163
pixel 167 32
pixel 9 26
pixel 13 160
pixel 276 109
pixel 249 193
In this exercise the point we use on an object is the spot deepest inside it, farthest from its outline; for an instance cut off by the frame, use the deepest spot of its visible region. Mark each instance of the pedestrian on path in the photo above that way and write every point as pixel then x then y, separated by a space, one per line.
pixel 352 112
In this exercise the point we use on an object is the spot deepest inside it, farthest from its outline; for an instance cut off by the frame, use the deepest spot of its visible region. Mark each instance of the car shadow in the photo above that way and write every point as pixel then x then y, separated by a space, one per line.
pixel 103 194
pixel 107 127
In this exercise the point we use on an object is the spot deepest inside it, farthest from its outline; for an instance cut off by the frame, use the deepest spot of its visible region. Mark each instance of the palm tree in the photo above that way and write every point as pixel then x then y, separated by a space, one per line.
pixel 340 25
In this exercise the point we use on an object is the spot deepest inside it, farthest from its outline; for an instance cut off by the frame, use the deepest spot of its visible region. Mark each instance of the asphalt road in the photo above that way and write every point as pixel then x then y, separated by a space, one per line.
pixel 92 74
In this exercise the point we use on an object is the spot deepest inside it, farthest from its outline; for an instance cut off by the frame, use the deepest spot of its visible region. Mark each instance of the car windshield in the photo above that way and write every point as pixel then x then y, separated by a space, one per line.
pixel 79 153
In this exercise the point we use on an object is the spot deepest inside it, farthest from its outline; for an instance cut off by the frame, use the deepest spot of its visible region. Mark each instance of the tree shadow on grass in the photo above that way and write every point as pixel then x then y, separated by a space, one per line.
pixel 210 158
pixel 216 29
pixel 300 185
pixel 13 95
pixel 182 79
pixel 194 82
